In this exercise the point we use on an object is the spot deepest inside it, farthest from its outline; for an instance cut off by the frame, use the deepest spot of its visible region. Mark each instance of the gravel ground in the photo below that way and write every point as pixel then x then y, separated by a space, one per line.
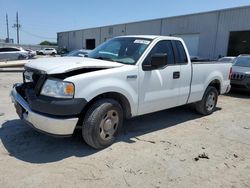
pixel 171 148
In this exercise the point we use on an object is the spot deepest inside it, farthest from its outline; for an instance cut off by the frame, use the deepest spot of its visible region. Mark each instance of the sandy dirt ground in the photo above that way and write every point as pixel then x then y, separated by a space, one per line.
pixel 171 148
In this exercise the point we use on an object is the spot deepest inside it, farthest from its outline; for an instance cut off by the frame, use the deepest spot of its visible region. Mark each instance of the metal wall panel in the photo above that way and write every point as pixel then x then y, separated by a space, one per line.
pixel 144 28
pixel 192 43
pixel 75 40
pixel 112 31
pixel 63 39
pixel 231 20
pixel 203 25
pixel 94 33
pixel 213 29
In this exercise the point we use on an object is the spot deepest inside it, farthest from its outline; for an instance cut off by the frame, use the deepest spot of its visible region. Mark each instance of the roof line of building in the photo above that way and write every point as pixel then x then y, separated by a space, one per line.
pixel 155 19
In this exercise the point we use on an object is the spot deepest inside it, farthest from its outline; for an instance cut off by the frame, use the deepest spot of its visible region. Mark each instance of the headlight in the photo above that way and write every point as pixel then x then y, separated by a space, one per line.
pixel 58 89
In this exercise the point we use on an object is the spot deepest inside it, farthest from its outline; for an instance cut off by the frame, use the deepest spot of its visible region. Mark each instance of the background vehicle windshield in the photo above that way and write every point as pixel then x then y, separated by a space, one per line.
pixel 125 50
pixel 242 61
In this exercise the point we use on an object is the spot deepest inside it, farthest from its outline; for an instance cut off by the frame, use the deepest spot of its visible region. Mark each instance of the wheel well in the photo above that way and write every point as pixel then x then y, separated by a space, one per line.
pixel 123 101
pixel 216 85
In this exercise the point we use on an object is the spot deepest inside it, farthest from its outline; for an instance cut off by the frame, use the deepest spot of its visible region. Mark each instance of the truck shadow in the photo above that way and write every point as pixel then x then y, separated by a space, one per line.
pixel 26 144
pixel 156 121
pixel 239 94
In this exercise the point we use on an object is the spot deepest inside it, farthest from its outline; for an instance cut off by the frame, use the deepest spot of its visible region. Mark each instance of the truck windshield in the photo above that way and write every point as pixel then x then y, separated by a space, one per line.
pixel 242 61
pixel 126 50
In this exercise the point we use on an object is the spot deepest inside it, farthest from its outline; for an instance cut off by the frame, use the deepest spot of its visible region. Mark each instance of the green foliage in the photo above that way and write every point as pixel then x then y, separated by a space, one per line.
pixel 48 43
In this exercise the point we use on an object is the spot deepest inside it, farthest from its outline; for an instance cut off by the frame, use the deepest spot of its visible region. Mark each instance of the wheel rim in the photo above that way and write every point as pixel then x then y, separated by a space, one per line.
pixel 211 100
pixel 109 124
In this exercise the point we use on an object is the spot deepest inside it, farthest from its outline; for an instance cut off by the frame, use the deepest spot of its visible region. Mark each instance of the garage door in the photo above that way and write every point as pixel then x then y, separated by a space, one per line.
pixel 239 43
pixel 192 42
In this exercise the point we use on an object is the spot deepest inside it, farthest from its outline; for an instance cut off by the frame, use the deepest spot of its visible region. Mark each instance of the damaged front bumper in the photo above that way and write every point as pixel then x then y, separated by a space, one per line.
pixel 54 125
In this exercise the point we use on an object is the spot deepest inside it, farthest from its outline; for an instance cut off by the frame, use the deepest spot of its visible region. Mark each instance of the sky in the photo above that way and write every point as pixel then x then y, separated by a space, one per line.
pixel 41 20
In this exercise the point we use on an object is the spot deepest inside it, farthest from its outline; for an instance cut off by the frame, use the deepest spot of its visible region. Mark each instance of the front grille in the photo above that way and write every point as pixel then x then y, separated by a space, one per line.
pixel 238 76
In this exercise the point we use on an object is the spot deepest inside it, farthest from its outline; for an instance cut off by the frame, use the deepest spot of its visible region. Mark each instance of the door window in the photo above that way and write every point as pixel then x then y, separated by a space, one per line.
pixel 163 47
pixel 8 50
pixel 180 53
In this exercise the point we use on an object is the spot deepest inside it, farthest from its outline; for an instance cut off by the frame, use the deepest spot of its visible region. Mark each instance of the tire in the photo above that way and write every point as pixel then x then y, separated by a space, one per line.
pixel 209 101
pixel 20 57
pixel 102 123
pixel 53 54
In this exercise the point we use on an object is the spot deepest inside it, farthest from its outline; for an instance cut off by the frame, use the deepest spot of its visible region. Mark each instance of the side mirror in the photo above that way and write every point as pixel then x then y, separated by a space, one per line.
pixel 157 61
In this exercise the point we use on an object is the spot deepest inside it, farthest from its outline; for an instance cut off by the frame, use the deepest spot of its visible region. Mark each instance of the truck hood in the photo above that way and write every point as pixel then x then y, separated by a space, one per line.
pixel 238 69
pixel 58 65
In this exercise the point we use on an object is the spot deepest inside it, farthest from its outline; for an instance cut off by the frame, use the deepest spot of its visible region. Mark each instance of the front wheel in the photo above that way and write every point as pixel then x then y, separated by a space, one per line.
pixel 102 123
pixel 208 103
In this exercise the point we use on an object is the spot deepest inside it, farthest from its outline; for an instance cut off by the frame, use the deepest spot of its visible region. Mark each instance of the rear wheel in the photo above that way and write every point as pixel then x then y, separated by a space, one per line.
pixel 102 123
pixel 19 57
pixel 208 103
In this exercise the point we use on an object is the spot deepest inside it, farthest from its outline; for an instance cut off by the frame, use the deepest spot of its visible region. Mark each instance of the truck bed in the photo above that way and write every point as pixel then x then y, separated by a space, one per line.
pixel 202 75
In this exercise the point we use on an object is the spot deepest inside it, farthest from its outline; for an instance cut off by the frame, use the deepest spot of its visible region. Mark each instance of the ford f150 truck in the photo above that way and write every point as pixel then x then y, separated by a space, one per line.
pixel 122 78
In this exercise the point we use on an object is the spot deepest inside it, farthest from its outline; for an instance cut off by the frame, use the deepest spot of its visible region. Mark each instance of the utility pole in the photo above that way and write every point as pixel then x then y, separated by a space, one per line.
pixel 17 26
pixel 7 24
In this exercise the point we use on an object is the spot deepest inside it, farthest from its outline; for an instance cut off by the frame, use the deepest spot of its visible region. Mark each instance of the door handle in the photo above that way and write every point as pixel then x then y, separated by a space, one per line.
pixel 176 75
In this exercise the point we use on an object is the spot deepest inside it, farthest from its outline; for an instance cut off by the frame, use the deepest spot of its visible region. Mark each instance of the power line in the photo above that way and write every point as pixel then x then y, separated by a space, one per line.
pixel 37 36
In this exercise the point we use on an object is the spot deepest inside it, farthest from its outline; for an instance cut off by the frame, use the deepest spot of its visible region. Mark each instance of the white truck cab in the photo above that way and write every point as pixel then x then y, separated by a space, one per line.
pixel 122 78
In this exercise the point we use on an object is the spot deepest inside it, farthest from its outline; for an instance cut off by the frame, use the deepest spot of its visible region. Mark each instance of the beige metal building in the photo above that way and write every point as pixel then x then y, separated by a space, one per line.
pixel 207 35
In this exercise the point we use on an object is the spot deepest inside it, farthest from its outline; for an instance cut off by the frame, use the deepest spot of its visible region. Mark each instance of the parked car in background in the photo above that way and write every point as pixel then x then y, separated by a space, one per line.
pixel 78 53
pixel 13 53
pixel 226 59
pixel 62 51
pixel 47 51
pixel 31 53
pixel 241 73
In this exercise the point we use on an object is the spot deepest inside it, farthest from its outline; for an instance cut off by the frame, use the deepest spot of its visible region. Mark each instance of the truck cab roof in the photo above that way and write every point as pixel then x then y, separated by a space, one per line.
pixel 152 37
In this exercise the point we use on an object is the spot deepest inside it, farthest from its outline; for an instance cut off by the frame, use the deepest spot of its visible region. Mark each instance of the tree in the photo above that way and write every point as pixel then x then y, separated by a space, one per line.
pixel 48 43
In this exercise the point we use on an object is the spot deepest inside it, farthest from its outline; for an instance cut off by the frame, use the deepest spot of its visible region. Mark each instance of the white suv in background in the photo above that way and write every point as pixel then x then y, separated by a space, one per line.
pixel 47 51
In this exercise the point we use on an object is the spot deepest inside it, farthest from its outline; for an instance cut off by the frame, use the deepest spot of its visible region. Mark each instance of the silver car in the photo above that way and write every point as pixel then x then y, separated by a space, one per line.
pixel 13 53
pixel 240 79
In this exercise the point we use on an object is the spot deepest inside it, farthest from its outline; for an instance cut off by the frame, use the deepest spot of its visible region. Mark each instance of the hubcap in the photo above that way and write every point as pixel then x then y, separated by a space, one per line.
pixel 210 103
pixel 109 124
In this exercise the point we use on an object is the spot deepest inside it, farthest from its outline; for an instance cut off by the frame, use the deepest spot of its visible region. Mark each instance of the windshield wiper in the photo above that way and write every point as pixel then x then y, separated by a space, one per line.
pixel 104 58
pixel 108 59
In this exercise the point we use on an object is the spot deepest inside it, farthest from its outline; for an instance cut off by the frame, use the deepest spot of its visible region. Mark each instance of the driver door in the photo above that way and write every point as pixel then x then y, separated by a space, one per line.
pixel 159 89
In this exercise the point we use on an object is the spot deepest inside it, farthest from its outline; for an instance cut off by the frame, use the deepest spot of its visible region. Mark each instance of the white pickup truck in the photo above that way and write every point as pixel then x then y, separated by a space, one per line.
pixel 122 78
